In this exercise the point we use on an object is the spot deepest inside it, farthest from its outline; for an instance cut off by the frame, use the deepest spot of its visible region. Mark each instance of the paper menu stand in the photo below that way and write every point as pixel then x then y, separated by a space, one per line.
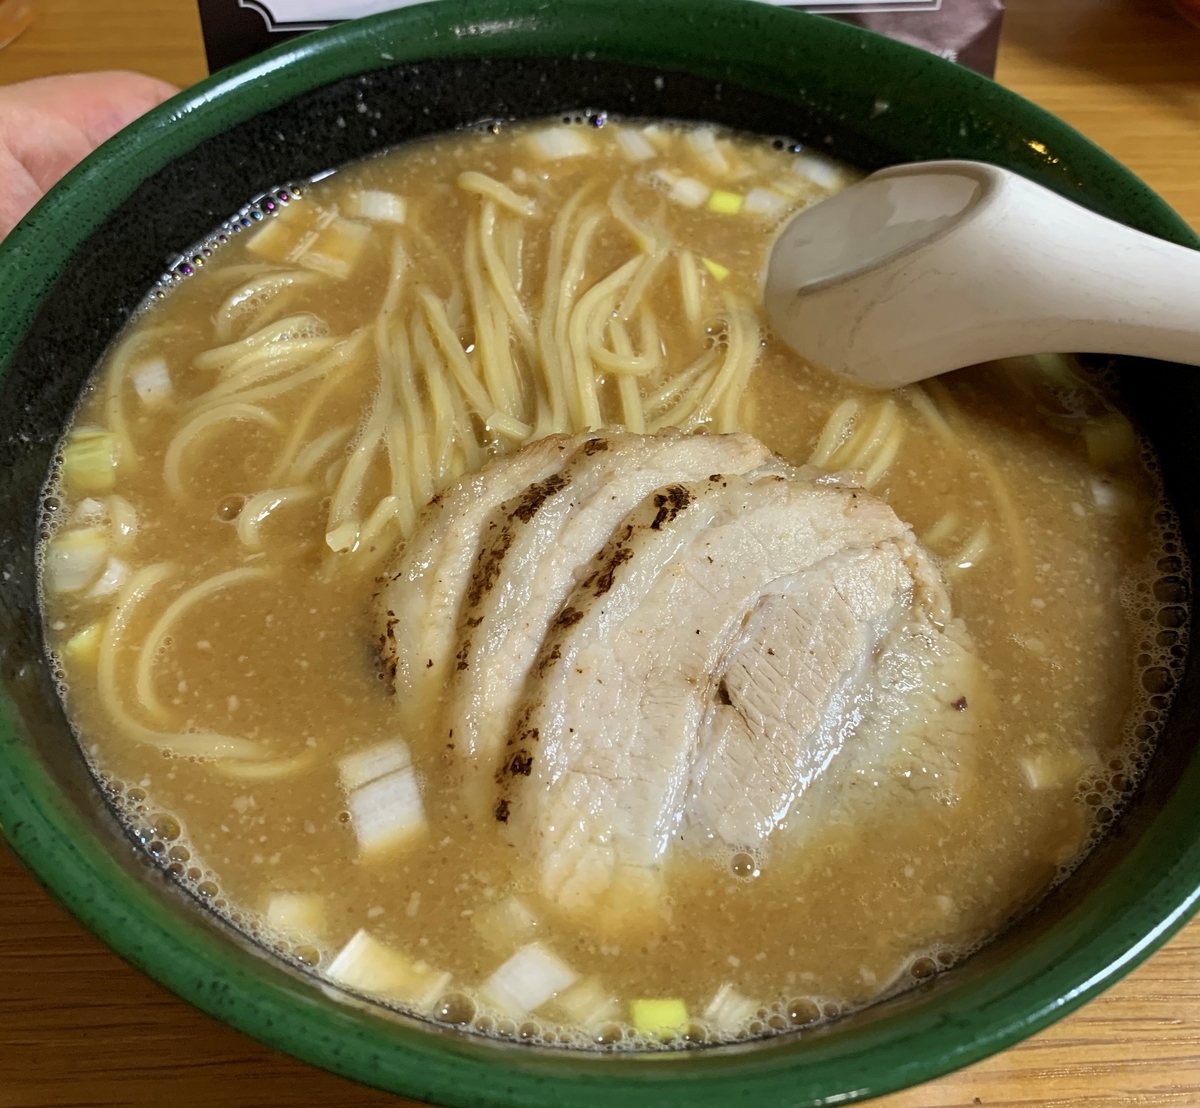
pixel 965 31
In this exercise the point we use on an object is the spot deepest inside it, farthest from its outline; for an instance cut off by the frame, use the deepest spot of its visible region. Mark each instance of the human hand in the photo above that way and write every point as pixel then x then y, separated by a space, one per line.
pixel 49 125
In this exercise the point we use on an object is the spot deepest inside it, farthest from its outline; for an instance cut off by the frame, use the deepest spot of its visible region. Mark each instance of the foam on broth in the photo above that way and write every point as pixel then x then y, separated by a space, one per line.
pixel 1043 505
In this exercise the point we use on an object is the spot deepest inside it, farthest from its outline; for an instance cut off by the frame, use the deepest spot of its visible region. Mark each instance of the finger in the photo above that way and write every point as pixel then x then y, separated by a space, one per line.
pixel 18 192
pixel 51 123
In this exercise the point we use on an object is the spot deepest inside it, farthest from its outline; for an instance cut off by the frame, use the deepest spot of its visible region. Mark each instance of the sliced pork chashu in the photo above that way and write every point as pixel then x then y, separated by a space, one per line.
pixel 850 675
pixel 420 603
pixel 532 549
pixel 641 643
pixel 602 758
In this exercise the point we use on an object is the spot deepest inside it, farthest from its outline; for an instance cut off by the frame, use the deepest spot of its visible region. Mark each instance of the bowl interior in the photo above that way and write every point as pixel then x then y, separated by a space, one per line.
pixel 83 261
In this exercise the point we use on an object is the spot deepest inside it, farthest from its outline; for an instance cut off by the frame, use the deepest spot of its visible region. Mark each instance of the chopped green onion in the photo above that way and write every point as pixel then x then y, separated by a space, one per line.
pixel 527 980
pixel 74 559
pixel 83 647
pixel 152 382
pixel 377 206
pixel 337 248
pixel 766 203
pixel 369 966
pixel 384 798
pixel 506 924
pixel 725 203
pixel 689 192
pixel 90 461
pixel 634 145
pixel 588 1004
pixel 555 143
pixel 113 577
pixel 298 914
pixel 1053 770
pixel 1110 440
pixel 661 1018
pixel 719 271
pixel 729 1011
pixel 364 766
pixel 822 172
pixel 123 521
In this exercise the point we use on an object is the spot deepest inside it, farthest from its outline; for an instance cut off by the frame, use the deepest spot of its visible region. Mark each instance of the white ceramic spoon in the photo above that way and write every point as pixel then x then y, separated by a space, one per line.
pixel 921 269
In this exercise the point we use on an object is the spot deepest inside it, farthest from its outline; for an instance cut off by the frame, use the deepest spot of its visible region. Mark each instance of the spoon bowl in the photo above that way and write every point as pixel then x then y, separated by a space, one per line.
pixel 925 268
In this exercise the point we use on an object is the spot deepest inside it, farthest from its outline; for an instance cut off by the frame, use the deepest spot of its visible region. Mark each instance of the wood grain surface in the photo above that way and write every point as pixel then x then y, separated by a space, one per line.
pixel 78 1027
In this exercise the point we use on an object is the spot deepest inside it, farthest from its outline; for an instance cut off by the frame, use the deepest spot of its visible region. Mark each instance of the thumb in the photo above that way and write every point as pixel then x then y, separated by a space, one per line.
pixel 52 123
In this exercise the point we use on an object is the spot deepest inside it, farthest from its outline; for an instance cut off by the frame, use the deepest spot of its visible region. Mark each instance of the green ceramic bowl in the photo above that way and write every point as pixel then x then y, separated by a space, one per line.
pixel 70 275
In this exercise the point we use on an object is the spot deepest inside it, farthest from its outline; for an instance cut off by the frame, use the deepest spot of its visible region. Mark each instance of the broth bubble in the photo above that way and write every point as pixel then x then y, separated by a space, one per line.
pixel 608 1034
pixel 165 826
pixel 923 968
pixel 455 1008
pixel 802 1012
pixel 743 865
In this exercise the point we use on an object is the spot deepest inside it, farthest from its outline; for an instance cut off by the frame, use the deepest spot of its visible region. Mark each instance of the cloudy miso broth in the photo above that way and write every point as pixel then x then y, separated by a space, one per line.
pixel 253 460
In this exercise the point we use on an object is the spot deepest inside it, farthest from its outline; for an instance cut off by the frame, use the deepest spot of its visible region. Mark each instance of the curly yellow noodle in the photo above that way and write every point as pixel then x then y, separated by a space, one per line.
pixel 483 185
pixel 196 426
pixel 572 278
pixel 180 606
pixel 205 744
pixel 551 361
pixel 581 322
pixel 502 283
pixel 256 509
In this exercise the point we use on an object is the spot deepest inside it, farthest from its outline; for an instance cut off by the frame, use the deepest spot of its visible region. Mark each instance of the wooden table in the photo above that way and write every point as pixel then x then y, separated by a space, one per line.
pixel 79 1027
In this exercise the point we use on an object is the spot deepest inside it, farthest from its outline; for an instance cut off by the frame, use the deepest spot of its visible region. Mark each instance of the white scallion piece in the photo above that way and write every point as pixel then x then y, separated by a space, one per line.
pixel 385 802
pixel 369 966
pixel 634 145
pixel 555 143
pixel 794 187
pixel 114 576
pixel 152 382
pixel 588 1004
pixel 290 232
pixel 657 135
pixel 89 512
pixel 1109 496
pixel 527 980
pixel 728 1011
pixel 1110 439
pixel 822 172
pixel 83 647
pixel 506 924
pixel 336 249
pixel 90 460
pixel 703 142
pixel 300 914
pixel 364 766
pixel 688 192
pixel 765 204
pixel 123 521
pixel 74 559
pixel 377 206
pixel 1053 770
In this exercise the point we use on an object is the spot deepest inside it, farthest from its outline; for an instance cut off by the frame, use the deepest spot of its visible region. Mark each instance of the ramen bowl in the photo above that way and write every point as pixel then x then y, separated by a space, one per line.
pixel 79 265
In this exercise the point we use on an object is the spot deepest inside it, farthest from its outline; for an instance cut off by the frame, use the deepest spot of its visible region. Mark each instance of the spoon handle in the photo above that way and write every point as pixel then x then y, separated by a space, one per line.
pixel 1019 270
